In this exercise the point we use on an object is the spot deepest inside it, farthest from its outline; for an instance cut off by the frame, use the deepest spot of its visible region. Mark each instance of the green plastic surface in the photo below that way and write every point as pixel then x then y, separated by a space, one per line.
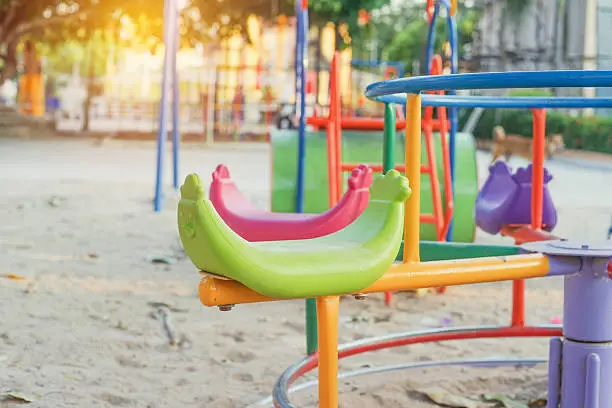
pixel 343 262
pixel 442 251
pixel 367 147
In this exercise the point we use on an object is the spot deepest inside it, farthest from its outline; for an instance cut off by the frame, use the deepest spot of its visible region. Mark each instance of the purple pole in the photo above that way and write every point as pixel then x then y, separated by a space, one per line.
pixel 554 372
pixel 586 347
pixel 587 344
pixel 162 132
pixel 175 100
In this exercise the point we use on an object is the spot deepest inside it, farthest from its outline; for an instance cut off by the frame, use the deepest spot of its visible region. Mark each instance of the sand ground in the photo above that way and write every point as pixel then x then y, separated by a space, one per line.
pixel 80 330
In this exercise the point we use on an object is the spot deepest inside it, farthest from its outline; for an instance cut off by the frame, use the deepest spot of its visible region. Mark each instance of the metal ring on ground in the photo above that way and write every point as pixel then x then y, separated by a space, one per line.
pixel 452 101
pixel 280 394
pixel 483 362
pixel 492 80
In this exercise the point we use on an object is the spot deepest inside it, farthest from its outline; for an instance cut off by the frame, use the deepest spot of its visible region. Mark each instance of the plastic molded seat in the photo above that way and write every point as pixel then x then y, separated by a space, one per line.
pixel 254 224
pixel 505 199
pixel 343 262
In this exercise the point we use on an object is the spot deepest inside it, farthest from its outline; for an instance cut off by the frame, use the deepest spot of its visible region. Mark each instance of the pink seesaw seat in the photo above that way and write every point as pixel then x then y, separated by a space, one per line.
pixel 254 224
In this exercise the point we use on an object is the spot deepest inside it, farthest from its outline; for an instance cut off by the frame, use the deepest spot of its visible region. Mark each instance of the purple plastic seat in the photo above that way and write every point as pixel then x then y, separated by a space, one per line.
pixel 505 199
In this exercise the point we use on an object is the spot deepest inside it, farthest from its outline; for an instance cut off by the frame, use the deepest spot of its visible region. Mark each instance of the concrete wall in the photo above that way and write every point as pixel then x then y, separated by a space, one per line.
pixel 529 41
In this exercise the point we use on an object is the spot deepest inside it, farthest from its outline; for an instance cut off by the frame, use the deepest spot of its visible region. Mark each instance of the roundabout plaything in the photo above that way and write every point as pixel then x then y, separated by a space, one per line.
pixel 579 360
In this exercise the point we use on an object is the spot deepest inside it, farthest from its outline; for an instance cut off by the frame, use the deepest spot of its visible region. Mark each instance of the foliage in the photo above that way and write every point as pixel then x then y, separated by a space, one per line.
pixel 90 56
pixel 409 44
pixel 229 16
pixel 587 133
pixel 57 21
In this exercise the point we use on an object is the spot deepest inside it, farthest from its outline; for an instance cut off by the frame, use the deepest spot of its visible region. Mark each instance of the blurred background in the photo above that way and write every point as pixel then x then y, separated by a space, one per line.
pixel 100 62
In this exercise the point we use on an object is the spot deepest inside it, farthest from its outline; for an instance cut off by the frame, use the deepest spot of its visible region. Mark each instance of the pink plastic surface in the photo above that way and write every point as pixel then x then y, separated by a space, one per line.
pixel 254 224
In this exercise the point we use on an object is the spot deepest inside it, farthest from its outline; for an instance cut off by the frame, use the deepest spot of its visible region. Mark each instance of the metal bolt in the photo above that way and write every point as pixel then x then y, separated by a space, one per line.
pixel 360 296
pixel 226 308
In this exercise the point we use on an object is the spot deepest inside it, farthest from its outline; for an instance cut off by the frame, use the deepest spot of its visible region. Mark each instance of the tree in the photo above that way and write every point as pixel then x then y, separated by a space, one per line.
pixel 58 20
pixel 408 45
pixel 229 16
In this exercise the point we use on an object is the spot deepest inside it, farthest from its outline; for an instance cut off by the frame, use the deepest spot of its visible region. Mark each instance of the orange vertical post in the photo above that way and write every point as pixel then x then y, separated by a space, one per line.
pixel 328 308
pixel 537 197
pixel 413 173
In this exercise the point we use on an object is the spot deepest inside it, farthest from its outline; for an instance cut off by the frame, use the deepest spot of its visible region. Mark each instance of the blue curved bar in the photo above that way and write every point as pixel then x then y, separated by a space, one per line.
pixel 492 80
pixel 431 38
pixel 452 101
pixel 452 37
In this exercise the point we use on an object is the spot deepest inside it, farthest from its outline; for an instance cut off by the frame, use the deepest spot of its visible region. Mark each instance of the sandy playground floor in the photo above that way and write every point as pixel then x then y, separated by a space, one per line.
pixel 83 329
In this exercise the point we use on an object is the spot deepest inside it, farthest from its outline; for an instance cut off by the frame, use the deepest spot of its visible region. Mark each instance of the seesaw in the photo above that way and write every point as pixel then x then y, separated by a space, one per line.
pixel 580 360
pixel 254 224
pixel 342 262
pixel 505 199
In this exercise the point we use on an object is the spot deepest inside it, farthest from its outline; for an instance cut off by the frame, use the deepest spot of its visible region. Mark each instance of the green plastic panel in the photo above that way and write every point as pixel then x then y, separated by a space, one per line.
pixel 442 251
pixel 367 147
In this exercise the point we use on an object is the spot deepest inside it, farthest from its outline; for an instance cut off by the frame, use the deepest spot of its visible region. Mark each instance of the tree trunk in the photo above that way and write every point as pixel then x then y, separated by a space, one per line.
pixel 9 70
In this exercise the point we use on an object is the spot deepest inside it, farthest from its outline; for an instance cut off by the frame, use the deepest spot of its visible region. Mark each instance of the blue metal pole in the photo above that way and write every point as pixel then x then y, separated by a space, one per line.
pixel 162 132
pixel 431 39
pixel 176 142
pixel 302 23
pixel 301 57
pixel 454 121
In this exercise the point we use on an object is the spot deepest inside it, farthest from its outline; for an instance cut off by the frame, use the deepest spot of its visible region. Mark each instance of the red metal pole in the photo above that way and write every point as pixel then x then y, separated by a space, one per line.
pixel 331 140
pixel 337 112
pixel 537 183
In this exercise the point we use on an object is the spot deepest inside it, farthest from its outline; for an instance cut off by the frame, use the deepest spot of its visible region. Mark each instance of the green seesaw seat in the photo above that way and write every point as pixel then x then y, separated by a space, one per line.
pixel 346 261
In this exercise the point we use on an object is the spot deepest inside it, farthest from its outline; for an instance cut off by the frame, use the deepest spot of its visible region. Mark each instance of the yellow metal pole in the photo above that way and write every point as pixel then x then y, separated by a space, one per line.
pixel 327 313
pixel 413 173
pixel 217 292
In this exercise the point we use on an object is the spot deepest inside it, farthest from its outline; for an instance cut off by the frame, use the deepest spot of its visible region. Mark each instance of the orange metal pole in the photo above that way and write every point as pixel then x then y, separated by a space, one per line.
pixel 406 276
pixel 327 313
pixel 413 173
pixel 537 197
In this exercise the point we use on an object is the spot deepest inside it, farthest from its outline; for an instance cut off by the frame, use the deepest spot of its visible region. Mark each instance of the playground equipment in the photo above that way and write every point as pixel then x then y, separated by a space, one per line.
pixel 502 204
pixel 505 197
pixel 579 361
pixel 170 84
pixel 334 152
pixel 169 77
pixel 254 224
pixel 455 201
pixel 31 89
